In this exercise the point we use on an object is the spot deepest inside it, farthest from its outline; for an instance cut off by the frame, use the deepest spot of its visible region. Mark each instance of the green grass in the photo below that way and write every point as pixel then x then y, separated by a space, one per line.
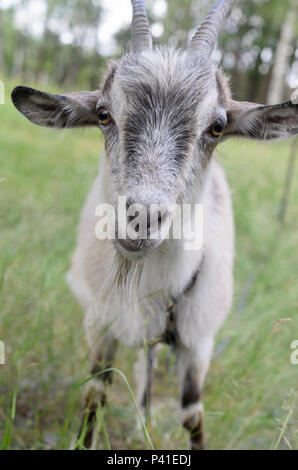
pixel 251 391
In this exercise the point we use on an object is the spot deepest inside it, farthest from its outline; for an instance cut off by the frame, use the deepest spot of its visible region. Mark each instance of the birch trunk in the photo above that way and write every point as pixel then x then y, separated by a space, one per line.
pixel 282 57
pixel 1 44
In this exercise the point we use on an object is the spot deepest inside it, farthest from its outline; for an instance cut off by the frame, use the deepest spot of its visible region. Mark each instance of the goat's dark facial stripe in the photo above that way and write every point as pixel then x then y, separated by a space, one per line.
pixel 169 111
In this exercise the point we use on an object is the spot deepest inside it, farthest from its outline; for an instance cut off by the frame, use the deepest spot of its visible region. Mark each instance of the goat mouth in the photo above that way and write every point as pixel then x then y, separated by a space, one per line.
pixel 131 249
pixel 129 246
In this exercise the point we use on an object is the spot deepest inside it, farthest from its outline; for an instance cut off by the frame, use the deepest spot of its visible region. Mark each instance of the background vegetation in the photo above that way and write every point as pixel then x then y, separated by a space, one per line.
pixel 62 44
pixel 251 392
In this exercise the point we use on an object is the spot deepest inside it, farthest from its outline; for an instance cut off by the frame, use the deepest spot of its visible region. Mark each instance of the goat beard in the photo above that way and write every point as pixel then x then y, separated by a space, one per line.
pixel 126 274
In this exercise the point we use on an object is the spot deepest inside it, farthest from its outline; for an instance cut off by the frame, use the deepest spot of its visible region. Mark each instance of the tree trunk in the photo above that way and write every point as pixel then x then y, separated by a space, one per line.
pixel 1 44
pixel 282 56
pixel 276 95
pixel 19 57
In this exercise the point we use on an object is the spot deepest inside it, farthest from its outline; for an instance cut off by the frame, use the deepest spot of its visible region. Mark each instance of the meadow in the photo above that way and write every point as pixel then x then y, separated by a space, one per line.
pixel 251 392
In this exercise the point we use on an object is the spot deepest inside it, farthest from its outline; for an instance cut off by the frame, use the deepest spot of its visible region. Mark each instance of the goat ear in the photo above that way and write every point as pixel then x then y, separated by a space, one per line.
pixel 254 121
pixel 61 111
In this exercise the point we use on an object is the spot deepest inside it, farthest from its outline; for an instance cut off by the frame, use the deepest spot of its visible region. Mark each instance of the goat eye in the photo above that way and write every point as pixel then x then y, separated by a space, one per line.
pixel 104 117
pixel 217 129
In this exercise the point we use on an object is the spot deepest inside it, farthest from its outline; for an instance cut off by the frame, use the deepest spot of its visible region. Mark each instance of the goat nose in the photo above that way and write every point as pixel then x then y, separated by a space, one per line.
pixel 137 220
pixel 146 221
pixel 158 216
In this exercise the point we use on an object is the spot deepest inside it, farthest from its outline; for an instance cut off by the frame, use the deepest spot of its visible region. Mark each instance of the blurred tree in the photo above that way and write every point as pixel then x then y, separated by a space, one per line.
pixel 78 22
pixel 66 49
pixel 247 44
pixel 276 90
pixel 276 94
pixel 250 41
pixel 179 19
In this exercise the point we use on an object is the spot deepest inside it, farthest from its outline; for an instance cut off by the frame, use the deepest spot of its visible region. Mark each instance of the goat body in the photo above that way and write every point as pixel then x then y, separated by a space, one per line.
pixel 137 314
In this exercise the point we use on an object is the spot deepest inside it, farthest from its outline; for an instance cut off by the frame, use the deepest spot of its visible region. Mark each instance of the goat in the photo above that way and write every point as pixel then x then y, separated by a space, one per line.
pixel 162 112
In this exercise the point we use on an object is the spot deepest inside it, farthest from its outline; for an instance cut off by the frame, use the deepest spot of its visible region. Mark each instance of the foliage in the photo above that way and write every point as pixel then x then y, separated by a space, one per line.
pixel 67 50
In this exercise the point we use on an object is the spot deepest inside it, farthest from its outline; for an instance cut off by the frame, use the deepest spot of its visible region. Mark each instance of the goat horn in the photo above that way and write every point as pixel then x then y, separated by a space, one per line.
pixel 140 31
pixel 204 40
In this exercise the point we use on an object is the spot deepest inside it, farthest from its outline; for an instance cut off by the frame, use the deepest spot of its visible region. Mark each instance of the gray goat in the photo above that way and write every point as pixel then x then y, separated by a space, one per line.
pixel 162 112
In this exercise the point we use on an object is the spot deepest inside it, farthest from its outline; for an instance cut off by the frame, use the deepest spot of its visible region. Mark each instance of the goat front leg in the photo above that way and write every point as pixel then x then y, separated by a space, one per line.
pixel 143 372
pixel 97 389
pixel 192 368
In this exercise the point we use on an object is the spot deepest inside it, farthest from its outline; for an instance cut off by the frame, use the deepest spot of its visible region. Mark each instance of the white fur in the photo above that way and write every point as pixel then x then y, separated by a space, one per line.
pixel 166 273
pixel 192 411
